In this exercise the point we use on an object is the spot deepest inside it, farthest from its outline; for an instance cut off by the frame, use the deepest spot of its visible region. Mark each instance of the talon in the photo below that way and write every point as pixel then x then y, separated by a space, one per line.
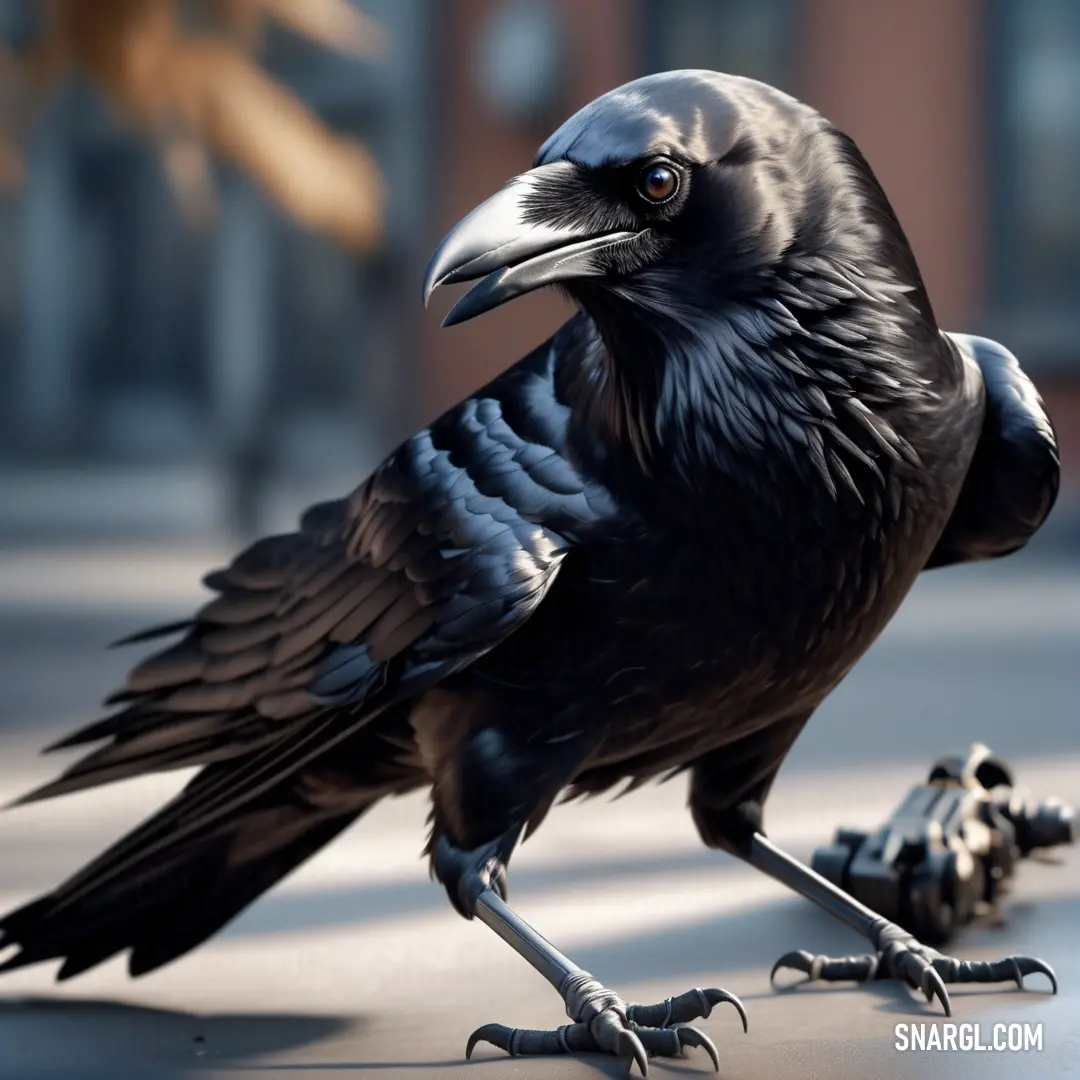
pixel 1032 965
pixel 691 1036
pixel 900 956
pixel 934 986
pixel 628 1047
pixel 799 960
pixel 604 1023
pixel 499 1035
pixel 695 1004
pixel 715 997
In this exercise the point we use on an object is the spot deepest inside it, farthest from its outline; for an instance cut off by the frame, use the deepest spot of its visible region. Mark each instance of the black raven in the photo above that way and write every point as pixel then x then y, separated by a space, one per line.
pixel 655 544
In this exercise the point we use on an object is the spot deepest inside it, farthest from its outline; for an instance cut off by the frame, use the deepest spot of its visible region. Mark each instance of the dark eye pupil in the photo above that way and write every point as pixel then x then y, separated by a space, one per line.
pixel 658 183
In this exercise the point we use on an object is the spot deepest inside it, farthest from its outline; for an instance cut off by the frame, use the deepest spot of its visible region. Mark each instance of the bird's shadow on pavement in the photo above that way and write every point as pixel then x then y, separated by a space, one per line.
pixel 95 1040
pixel 736 942
pixel 89 1039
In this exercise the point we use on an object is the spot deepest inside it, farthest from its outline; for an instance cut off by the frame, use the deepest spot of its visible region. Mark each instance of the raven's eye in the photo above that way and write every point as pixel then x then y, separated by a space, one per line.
pixel 658 183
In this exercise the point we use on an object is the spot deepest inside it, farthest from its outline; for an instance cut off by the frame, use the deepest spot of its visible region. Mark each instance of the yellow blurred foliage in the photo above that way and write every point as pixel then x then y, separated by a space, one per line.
pixel 185 73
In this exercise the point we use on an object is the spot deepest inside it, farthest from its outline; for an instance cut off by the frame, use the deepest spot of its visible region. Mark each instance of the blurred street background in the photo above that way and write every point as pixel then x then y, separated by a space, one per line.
pixel 214 221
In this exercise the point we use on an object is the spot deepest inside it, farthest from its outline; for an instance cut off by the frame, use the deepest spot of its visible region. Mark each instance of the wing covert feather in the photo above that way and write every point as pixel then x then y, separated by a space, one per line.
pixel 445 551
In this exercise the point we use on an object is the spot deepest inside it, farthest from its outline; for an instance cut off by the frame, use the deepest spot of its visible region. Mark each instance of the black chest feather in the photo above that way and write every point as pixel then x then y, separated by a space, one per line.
pixel 776 493
pixel 726 613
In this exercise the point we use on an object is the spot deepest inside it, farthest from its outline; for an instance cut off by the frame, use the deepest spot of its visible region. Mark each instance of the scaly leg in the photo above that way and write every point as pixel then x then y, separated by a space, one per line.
pixel 727 792
pixel 496 771
pixel 601 1020
pixel 897 954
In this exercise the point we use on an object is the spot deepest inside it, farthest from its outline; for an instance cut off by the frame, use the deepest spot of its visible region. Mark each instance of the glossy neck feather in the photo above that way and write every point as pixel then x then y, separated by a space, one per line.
pixel 803 381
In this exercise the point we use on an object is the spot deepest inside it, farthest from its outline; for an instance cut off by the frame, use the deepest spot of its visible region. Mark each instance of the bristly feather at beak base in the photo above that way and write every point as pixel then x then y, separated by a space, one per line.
pixel 512 254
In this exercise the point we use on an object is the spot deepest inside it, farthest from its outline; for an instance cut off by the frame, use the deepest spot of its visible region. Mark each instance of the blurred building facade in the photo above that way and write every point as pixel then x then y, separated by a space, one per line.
pixel 966 110
pixel 126 337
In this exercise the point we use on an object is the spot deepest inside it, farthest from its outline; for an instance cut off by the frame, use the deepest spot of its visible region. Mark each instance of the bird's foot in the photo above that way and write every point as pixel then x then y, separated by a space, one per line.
pixel 901 956
pixel 604 1023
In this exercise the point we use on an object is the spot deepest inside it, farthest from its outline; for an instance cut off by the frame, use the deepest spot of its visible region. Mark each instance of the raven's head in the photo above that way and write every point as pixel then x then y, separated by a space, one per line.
pixel 669 193
pixel 736 254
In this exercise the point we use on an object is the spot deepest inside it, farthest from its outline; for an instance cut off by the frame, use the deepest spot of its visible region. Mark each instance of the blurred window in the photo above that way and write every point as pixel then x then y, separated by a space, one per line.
pixel 125 334
pixel 1034 111
pixel 744 37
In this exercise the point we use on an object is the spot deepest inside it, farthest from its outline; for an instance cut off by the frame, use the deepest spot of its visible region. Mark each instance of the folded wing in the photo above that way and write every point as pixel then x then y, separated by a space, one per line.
pixel 1013 480
pixel 445 551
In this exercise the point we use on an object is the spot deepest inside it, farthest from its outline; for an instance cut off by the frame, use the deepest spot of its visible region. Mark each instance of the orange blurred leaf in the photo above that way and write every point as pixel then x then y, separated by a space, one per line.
pixel 200 92
pixel 336 24
pixel 122 45
pixel 325 181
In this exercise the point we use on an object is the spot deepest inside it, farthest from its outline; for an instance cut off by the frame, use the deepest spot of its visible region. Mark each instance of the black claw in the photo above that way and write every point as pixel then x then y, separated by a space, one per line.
pixel 498 1035
pixel 799 960
pixel 631 1033
pixel 628 1047
pixel 715 997
pixel 525 1042
pixel 1031 965
pixel 1014 968
pixel 934 986
pixel 691 1036
pixel 695 1004
pixel 900 956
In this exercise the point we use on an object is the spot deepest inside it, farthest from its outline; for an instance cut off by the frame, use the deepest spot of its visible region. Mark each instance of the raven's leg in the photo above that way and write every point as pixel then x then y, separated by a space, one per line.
pixel 601 1020
pixel 897 954
pixel 734 824
pixel 492 779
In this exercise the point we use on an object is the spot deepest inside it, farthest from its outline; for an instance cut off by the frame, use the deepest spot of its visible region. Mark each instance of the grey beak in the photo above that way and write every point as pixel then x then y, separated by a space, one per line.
pixel 498 242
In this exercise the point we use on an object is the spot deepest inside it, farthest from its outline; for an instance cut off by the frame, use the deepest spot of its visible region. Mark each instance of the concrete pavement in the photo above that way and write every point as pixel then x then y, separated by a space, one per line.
pixel 357 966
